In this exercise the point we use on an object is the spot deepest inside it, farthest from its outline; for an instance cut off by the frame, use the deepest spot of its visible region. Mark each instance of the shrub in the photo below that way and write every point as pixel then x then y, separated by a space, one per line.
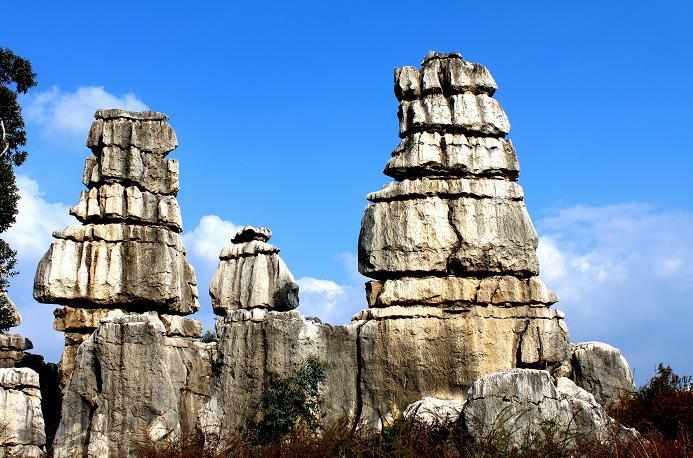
pixel 208 337
pixel 291 400
pixel 662 406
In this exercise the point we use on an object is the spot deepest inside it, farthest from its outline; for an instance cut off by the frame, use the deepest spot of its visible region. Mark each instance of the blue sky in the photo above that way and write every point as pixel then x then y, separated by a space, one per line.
pixel 286 116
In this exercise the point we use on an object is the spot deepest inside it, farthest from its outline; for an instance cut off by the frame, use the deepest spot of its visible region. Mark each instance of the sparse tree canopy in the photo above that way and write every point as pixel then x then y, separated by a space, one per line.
pixel 16 77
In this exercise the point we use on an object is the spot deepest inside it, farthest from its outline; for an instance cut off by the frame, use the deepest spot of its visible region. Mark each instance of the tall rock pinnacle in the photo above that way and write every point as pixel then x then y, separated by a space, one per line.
pixel 452 230
pixel 128 254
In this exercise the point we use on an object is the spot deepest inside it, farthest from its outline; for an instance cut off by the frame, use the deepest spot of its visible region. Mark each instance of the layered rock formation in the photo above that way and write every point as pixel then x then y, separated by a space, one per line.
pixel 22 426
pixel 127 255
pixel 454 297
pixel 22 430
pixel 251 274
pixel 450 245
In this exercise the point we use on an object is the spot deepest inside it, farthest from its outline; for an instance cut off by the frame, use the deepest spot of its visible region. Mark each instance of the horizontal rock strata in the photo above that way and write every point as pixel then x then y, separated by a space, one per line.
pixel 23 430
pixel 251 274
pixel 128 255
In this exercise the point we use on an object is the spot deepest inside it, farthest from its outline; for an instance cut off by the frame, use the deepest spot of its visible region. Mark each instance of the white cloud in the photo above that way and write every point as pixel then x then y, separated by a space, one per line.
pixel 624 276
pixel 331 301
pixel 209 237
pixel 70 114
pixel 36 221
pixel 31 237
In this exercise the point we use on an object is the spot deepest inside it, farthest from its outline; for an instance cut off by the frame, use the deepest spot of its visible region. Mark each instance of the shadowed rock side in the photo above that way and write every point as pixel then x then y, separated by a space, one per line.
pixel 128 254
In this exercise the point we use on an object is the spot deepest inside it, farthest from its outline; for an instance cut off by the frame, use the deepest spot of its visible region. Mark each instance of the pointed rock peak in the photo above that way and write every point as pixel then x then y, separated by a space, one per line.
pixel 114 113
pixel 249 233
pixel 440 55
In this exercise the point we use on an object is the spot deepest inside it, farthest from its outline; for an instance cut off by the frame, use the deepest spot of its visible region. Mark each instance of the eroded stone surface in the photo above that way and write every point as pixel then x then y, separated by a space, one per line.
pixel 457 155
pixel 434 411
pixel 520 401
pixel 602 370
pixel 504 290
pixel 22 432
pixel 117 203
pixel 118 266
pixel 447 236
pixel 251 274
pixel 132 383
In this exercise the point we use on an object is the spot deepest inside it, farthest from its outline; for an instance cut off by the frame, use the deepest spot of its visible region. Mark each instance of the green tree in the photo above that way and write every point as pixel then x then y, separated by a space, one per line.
pixel 16 77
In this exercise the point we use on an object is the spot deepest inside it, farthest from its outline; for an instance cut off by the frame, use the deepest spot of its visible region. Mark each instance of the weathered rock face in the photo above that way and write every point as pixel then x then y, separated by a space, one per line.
pixel 521 401
pixel 22 428
pixel 251 274
pixel 434 411
pixel 12 348
pixel 254 342
pixel 133 384
pixel 602 370
pixel 128 254
pixel 455 209
pixel 451 249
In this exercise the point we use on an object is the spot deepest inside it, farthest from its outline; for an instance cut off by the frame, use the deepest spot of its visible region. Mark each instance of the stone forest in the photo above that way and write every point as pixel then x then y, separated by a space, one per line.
pixel 458 327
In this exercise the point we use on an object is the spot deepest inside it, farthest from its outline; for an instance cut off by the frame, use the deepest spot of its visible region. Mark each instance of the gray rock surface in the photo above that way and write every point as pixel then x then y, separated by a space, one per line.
pixel 132 384
pixel 440 236
pixel 602 370
pixel 251 274
pixel 118 266
pixel 523 401
pixel 12 348
pixel 21 420
pixel 434 411
pixel 254 342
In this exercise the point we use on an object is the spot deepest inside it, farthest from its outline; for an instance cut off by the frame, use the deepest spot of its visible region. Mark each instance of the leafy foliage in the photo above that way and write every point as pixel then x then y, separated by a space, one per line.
pixel 291 400
pixel 663 406
pixel 16 77
pixel 208 337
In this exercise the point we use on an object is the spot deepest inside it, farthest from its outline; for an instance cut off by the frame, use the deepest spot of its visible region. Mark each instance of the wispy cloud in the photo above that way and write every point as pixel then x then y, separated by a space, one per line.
pixel 624 276
pixel 36 221
pixel 69 114
pixel 31 237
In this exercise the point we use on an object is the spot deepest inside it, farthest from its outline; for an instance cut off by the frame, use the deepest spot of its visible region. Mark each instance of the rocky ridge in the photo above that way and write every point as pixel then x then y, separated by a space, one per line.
pixel 454 296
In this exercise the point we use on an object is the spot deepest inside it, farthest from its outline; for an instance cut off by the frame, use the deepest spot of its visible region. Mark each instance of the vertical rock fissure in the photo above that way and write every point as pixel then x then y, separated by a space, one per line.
pixel 358 410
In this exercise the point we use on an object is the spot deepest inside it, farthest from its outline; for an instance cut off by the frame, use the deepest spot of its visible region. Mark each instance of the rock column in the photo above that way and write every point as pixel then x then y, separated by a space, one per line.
pixel 127 256
pixel 450 248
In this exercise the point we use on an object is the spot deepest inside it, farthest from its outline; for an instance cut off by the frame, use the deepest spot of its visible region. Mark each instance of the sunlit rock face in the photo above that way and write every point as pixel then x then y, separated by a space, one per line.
pixel 128 255
pixel 454 295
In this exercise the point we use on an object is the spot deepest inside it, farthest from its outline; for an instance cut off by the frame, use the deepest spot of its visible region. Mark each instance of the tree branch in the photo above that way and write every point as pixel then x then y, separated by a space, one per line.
pixel 4 139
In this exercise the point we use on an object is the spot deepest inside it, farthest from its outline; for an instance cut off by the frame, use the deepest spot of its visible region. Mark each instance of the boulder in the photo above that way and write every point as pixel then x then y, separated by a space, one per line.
pixel 520 404
pixel 434 411
pixel 602 370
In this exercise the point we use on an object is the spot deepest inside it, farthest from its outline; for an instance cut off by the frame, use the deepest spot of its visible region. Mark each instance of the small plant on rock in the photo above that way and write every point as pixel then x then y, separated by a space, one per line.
pixel 291 401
